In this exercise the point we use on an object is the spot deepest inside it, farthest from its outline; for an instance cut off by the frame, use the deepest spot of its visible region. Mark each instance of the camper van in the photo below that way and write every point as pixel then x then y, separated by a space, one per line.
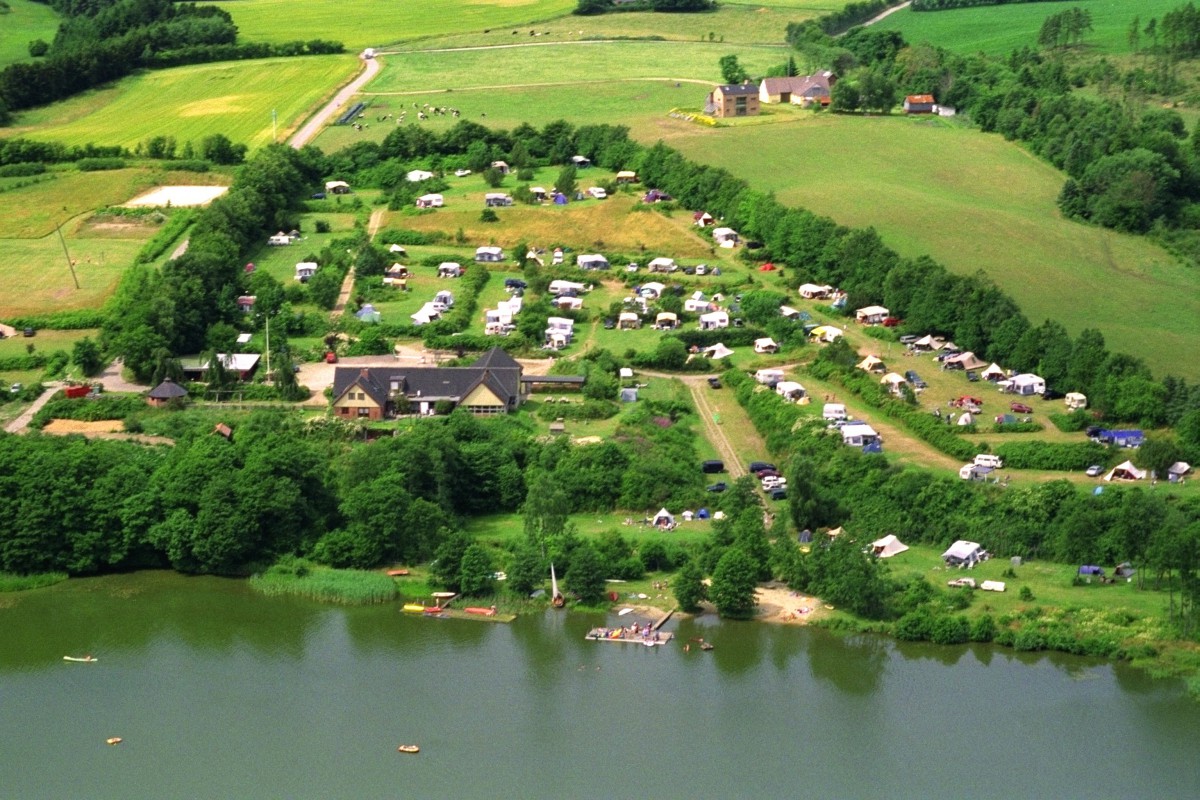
pixel 988 460
pixel 834 411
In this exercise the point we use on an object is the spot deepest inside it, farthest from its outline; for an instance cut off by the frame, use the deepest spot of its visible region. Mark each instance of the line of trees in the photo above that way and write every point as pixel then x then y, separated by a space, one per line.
pixel 944 5
pixel 588 8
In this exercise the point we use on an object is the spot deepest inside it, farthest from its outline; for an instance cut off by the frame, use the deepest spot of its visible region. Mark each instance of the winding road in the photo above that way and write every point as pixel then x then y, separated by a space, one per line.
pixel 310 129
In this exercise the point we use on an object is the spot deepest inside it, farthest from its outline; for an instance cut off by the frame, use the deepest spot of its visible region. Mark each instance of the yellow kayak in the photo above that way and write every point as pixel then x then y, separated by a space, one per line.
pixel 415 608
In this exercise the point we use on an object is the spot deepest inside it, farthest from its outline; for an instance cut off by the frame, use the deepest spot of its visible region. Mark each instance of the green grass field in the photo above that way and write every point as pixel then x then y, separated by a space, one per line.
pixel 998 30
pixel 361 23
pixel 25 22
pixel 973 202
pixel 189 103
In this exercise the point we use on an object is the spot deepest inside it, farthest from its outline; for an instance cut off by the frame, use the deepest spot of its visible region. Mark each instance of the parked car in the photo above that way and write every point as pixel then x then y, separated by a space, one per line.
pixel 330 357
pixel 609 324
pixel 461 173
pixel 767 473
pixel 16 388
pixel 714 383
pixel 972 376
pixel 1095 471
pixel 719 486
pixel 712 467
pixel 778 494
pixel 912 377
pixel 759 466
pixel 28 332
pixel 1052 394
pixel 891 322
pixel 909 338
pixel 774 482
pixel 1020 408
pixel 597 192
pixel 317 196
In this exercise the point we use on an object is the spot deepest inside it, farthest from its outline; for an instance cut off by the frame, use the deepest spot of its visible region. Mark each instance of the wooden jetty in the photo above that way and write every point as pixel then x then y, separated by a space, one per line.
pixel 607 635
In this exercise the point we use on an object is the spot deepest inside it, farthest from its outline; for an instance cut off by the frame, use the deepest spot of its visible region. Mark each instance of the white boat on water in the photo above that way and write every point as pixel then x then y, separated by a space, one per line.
pixel 556 597
pixel 84 660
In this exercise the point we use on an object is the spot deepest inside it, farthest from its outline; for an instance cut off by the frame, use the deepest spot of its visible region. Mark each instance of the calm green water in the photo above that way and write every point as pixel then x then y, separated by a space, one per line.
pixel 221 693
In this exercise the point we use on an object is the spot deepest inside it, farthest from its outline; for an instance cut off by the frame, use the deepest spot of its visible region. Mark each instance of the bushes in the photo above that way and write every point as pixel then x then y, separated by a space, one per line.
pixel 58 321
pixel 1051 456
pixel 22 170
pixel 177 223
pixel 589 409
pixel 99 164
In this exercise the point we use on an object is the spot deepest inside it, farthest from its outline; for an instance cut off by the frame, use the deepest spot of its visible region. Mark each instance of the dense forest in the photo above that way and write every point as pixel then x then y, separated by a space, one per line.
pixel 102 40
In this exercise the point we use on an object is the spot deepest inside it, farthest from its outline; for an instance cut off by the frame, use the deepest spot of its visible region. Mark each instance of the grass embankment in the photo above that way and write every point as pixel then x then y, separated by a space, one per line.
pixel 304 579
pixel 25 21
pixel 906 178
pixel 20 583
pixel 362 23
pixel 189 103
pixel 998 30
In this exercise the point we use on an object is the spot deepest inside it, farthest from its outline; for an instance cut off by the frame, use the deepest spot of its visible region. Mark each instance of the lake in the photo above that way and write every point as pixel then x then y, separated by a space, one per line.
pixel 220 692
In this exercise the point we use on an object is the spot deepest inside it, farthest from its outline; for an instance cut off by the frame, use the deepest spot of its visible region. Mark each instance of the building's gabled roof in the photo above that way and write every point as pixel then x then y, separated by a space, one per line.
pixel 495 369
pixel 738 89
pixel 366 379
pixel 924 99
pixel 496 358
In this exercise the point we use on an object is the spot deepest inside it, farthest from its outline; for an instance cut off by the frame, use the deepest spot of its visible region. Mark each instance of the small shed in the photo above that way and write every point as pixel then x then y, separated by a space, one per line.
pixel 164 393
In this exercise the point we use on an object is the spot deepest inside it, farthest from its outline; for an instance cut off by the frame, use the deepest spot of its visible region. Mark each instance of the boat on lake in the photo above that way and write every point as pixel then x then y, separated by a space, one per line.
pixel 556 597
pixel 83 660
pixel 414 608
pixel 408 748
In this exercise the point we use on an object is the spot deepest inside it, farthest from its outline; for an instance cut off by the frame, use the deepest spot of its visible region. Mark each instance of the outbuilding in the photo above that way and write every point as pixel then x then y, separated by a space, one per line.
pixel 164 393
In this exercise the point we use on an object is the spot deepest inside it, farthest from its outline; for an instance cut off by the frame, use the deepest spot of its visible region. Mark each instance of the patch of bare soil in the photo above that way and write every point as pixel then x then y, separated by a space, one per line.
pixel 63 426
pixel 778 603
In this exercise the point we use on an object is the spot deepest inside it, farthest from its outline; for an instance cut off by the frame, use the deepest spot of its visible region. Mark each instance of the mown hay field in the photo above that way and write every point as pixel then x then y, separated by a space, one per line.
pixel 234 98
pixel 25 22
pixel 36 278
pixel 972 202
pixel 998 30
pixel 362 23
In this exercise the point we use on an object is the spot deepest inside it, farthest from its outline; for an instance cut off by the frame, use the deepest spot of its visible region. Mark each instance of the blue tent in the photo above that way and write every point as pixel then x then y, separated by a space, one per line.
pixel 874 447
pixel 702 514
pixel 560 199
pixel 805 536
pixel 368 313
pixel 1091 569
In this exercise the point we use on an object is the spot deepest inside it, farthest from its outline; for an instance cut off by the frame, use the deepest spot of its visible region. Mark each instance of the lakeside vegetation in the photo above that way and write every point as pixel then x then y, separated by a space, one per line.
pixel 301 578
pixel 10 582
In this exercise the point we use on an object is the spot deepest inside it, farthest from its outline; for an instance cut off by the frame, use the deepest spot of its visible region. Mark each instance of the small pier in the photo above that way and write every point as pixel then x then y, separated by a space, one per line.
pixel 651 638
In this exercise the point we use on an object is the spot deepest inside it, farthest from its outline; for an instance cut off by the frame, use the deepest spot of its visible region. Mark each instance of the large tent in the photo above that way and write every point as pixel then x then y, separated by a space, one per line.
pixel 963 553
pixel 717 351
pixel 994 372
pixel 871 364
pixel 888 546
pixel 1125 471
pixel 663 519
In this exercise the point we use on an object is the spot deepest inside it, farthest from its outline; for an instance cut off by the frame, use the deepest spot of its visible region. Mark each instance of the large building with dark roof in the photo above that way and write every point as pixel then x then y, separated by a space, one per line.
pixel 491 385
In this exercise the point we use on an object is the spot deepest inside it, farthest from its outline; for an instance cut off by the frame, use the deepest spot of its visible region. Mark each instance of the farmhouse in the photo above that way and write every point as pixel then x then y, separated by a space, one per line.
pixel 430 201
pixel 871 315
pixel 801 90
pixel 733 100
pixel 491 385
pixel 305 270
pixel 490 255
pixel 919 104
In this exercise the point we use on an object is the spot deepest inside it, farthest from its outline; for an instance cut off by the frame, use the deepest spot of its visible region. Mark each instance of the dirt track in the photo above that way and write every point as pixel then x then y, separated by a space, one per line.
pixel 309 130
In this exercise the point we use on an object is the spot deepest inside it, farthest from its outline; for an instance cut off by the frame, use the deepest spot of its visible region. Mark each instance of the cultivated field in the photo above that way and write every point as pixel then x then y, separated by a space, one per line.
pixel 234 98
pixel 36 279
pixel 998 30
pixel 25 22
pixel 973 202
pixel 362 23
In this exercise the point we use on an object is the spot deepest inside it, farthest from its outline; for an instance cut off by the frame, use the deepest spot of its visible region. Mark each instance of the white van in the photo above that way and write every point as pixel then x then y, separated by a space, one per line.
pixel 988 460
pixel 834 411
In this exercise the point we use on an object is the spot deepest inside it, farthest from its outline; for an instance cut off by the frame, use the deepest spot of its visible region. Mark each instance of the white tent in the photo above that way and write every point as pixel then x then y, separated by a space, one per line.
pixel 1125 471
pixel 717 351
pixel 872 364
pixel 871 315
pixel 826 333
pixel 811 291
pixel 765 345
pixel 888 546
pixel 1028 384
pixel 663 519
pixel 893 381
pixel 790 390
pixel 418 175
pixel 965 553
pixel 966 419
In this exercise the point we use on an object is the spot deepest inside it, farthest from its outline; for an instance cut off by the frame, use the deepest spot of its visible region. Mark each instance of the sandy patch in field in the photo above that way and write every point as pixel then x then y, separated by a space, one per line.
pixel 61 426
pixel 178 196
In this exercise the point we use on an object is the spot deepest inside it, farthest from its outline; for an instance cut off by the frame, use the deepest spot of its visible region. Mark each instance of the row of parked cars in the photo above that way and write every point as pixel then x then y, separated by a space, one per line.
pixel 774 484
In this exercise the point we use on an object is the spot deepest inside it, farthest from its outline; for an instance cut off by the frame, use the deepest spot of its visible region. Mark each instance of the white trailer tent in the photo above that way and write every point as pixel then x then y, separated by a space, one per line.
pixel 725 237
pixel 888 546
pixel 491 255
pixel 581 162
pixel 418 175
pixel 443 299
pixel 1027 384
pixel 628 321
pixel 666 320
pixel 567 303
pixel 769 377
pixel 716 352
pixel 500 167
pixel 1176 471
pixel 589 261
pixel 652 290
pixel 279 240
pixel 811 291
pixel 450 269
pixel 1076 401
pixel 561 325
pixel 894 382
pixel 1125 471
pixel 826 333
pixel 627 176
pixel 694 306
pixel 662 264
pixel 766 345
pixel 790 391
pixel 558 287
pixel 430 201
pixel 305 270
pixel 398 248
pixel 871 315
pixel 787 312
pixel 964 554
pixel 497 200
pixel 833 411
pixel 858 434
pixel 425 315
pixel 337 187
pixel 663 519
pixel 714 320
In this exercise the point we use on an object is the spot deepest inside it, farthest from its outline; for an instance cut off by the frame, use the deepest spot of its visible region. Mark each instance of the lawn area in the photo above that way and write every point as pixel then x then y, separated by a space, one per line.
pixel 505 528
pixel 24 22
pixel 362 23
pixel 36 279
pixel 189 103
pixel 998 30
pixel 33 207
pixel 1005 221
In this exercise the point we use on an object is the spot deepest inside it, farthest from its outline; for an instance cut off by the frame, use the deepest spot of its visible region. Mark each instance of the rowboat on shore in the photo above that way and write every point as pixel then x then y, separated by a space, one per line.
pixel 408 748
pixel 84 660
